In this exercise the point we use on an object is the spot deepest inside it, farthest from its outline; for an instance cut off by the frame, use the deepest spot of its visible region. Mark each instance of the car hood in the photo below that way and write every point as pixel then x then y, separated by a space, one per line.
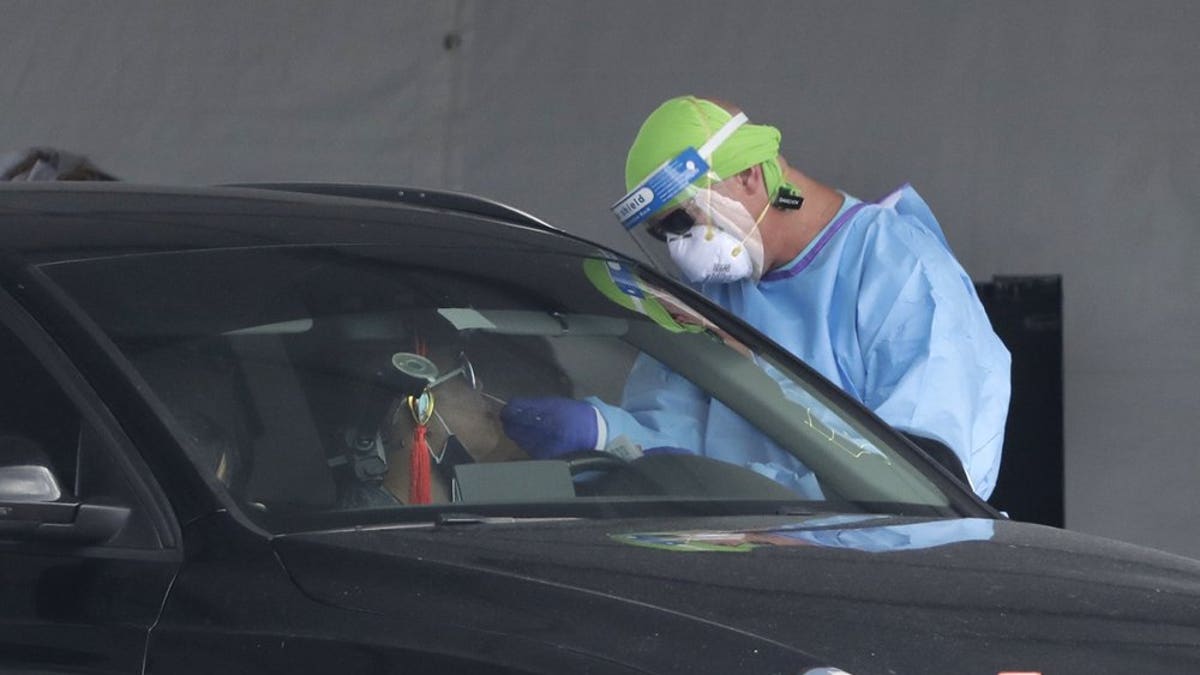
pixel 868 594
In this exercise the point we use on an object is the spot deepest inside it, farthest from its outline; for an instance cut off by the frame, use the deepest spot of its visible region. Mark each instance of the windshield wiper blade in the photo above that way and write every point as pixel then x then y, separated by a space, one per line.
pixel 797 511
pixel 458 519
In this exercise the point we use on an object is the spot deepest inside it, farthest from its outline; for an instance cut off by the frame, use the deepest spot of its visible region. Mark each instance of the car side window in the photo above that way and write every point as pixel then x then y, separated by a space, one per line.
pixel 37 420
pixel 41 425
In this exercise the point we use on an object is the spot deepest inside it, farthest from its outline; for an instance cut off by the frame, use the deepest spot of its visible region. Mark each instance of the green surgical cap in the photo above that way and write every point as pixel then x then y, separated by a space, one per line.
pixel 688 121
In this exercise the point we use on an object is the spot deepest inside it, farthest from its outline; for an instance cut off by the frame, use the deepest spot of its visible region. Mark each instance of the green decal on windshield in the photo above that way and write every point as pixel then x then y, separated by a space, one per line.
pixel 618 283
pixel 690 542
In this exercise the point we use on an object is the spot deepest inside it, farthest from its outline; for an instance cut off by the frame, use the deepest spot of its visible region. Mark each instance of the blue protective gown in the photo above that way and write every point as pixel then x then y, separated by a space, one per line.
pixel 878 305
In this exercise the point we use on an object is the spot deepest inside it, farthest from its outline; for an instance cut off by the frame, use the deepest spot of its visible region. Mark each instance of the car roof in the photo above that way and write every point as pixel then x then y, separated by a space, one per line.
pixel 46 222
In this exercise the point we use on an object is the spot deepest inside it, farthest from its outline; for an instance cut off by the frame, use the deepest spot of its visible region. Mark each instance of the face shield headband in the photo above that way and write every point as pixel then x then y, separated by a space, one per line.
pixel 672 178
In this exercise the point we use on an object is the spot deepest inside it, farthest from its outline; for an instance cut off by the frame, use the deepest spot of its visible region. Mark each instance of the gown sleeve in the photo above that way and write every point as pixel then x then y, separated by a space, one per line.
pixel 659 408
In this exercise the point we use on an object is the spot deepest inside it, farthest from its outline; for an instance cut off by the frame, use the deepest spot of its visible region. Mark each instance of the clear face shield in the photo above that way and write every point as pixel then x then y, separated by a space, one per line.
pixel 710 238
pixel 696 228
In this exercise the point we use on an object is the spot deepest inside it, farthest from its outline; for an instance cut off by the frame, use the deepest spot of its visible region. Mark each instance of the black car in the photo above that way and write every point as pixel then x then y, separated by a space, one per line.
pixel 255 430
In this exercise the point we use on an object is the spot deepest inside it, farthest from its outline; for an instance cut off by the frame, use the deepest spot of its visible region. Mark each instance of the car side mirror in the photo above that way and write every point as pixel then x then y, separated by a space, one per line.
pixel 28 483
pixel 32 506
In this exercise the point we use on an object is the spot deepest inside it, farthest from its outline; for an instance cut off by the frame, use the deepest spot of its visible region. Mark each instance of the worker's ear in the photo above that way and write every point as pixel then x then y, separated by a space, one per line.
pixel 750 181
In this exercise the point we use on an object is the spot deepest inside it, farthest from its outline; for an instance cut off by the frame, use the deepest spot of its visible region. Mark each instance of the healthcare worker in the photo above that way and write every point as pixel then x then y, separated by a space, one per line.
pixel 868 294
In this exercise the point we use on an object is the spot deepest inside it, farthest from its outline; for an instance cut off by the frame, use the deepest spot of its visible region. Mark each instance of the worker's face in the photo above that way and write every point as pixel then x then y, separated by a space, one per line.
pixel 727 204
pixel 749 189
pixel 711 236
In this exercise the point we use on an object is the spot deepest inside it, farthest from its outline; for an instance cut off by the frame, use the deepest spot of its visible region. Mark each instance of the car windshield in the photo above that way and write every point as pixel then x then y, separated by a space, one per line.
pixel 311 381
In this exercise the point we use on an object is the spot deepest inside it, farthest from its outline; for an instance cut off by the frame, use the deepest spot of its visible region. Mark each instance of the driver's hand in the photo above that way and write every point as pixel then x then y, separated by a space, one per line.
pixel 553 426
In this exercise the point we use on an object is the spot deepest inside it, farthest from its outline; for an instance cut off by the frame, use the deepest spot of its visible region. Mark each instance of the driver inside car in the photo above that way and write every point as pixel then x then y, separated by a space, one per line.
pixel 454 421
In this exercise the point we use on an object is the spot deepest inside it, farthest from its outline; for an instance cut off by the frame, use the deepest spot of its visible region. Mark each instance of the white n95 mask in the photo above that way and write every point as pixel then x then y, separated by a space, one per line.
pixel 723 244
pixel 705 254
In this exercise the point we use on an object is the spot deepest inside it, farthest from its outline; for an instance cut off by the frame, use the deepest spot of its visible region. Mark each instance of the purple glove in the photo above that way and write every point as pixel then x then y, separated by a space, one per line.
pixel 549 427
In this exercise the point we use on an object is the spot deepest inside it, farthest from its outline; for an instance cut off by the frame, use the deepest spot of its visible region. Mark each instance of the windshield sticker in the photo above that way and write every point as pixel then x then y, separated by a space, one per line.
pixel 465 318
pixel 619 283
pixel 278 328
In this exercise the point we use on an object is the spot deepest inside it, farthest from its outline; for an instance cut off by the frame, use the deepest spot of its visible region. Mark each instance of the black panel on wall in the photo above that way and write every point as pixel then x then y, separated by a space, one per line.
pixel 1026 313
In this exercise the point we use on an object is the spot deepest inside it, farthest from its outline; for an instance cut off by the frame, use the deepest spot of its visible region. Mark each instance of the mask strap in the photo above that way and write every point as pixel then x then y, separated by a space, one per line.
pixel 741 245
pixel 762 214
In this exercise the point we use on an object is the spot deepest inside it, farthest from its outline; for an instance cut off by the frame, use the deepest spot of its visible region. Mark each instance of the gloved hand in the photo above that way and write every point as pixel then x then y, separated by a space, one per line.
pixel 549 427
